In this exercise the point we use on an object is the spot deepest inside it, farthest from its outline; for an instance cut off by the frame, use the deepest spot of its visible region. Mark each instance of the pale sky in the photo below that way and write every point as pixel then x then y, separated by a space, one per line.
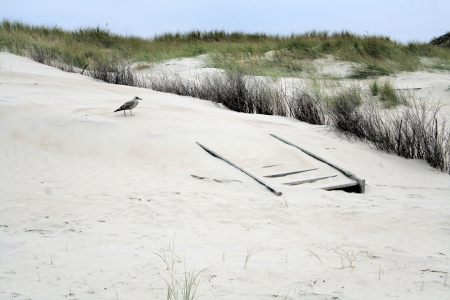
pixel 402 20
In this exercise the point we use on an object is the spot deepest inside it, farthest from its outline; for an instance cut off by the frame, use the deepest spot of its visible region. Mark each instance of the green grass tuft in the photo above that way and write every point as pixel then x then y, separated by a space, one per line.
pixel 346 101
pixel 386 92
pixel 374 87
pixel 388 95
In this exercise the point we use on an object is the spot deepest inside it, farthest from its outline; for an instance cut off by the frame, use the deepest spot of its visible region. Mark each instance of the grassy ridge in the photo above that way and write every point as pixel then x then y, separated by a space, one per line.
pixel 377 55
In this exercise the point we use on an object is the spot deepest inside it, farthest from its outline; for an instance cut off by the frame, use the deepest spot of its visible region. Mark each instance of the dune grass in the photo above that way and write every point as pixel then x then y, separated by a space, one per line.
pixel 350 260
pixel 184 288
pixel 375 87
pixel 259 53
pixel 389 96
pixel 387 93
pixel 415 131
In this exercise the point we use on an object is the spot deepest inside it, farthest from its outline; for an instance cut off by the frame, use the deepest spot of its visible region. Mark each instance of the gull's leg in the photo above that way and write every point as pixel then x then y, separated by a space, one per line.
pixel 131 112
pixel 124 112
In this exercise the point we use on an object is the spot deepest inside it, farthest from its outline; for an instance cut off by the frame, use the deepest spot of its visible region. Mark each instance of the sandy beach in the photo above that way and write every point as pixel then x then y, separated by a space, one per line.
pixel 91 201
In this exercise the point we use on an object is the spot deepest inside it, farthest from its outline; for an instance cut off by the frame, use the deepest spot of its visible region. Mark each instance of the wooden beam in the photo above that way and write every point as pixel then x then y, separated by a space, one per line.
pixel 308 180
pixel 339 186
pixel 289 173
pixel 361 181
pixel 271 188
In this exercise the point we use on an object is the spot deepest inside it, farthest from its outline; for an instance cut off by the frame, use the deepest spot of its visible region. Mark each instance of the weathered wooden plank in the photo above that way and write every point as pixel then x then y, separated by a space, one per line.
pixel 361 181
pixel 271 188
pixel 289 173
pixel 308 180
pixel 272 166
pixel 339 186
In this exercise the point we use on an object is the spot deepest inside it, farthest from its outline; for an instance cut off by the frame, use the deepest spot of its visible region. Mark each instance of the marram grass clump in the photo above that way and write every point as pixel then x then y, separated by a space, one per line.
pixel 387 93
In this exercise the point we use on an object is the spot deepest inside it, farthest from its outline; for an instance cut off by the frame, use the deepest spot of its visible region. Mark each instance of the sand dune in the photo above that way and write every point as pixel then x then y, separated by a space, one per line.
pixel 89 197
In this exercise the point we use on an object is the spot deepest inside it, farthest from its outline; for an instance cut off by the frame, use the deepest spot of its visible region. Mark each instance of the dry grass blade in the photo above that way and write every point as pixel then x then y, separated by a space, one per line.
pixel 250 252
pixel 316 256
pixel 165 258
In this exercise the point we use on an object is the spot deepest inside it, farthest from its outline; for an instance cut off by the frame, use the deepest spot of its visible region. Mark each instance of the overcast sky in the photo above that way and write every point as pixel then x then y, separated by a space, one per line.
pixel 402 20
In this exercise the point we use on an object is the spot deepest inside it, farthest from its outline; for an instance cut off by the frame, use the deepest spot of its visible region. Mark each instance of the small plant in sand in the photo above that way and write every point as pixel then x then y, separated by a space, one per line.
pixel 350 260
pixel 184 288
pixel 389 96
pixel 374 87
pixel 386 92
pixel 169 263
pixel 250 252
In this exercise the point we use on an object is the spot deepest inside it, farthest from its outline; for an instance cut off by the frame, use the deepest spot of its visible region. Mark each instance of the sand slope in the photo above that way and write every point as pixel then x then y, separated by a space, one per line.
pixel 89 197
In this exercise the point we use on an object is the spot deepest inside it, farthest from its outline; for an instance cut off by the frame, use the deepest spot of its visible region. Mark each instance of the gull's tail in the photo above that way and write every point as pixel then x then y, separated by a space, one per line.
pixel 118 109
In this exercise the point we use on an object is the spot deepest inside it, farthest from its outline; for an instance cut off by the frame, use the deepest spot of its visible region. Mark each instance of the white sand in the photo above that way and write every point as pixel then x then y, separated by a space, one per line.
pixel 89 197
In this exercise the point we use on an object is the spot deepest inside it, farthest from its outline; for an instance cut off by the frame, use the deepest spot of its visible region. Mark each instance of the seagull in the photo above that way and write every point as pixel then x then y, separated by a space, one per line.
pixel 129 105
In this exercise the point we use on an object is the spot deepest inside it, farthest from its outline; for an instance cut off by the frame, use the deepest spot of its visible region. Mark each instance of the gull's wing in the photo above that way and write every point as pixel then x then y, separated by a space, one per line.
pixel 127 105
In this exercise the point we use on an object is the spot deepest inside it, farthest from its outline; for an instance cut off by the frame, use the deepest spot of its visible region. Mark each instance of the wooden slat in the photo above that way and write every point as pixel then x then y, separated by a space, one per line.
pixel 308 180
pixel 289 173
pixel 272 166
